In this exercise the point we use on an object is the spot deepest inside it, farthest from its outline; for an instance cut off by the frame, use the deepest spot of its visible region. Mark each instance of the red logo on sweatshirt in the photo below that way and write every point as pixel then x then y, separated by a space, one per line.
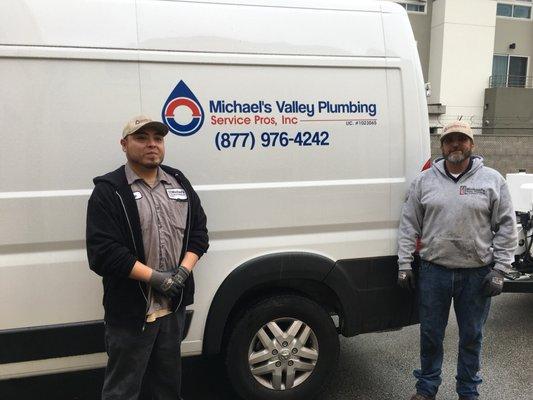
pixel 463 190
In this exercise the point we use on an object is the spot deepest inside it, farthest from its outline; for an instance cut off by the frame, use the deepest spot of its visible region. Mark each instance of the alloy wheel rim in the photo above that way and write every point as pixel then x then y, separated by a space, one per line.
pixel 283 353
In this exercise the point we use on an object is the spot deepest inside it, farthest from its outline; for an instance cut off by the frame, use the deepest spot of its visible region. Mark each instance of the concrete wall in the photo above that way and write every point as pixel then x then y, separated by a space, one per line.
pixel 457 40
pixel 505 153
pixel 514 31
pixel 508 111
pixel 462 33
pixel 421 24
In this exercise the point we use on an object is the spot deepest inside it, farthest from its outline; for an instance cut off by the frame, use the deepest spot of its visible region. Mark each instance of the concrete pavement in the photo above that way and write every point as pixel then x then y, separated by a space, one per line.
pixel 371 367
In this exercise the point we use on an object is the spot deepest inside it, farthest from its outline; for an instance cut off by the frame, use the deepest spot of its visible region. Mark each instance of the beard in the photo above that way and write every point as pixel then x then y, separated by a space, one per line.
pixel 145 162
pixel 152 164
pixel 456 157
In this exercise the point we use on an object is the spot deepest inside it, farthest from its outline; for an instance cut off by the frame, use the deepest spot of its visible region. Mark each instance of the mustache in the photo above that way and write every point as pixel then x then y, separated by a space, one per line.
pixel 457 158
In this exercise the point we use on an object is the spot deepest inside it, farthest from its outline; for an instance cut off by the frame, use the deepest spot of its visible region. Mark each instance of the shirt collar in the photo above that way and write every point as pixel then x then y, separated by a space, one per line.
pixel 131 175
pixel 163 176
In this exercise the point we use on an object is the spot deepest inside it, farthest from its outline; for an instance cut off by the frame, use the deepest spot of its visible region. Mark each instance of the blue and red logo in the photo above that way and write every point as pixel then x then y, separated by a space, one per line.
pixel 182 96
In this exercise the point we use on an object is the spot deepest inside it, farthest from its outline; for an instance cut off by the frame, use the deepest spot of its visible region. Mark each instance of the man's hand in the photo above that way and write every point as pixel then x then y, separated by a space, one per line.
pixel 181 276
pixel 164 283
pixel 493 283
pixel 406 279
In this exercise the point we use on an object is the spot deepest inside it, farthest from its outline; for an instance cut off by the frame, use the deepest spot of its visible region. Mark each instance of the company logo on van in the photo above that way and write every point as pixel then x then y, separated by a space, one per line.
pixel 182 96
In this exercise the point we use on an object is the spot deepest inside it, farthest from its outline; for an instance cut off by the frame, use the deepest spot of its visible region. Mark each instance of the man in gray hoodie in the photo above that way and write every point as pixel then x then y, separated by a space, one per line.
pixel 461 214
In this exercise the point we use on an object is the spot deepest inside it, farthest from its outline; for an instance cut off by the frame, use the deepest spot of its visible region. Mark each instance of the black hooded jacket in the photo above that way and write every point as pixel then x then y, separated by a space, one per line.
pixel 115 243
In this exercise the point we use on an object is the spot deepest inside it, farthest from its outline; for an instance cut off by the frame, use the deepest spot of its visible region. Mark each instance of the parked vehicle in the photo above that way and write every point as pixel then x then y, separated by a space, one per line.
pixel 301 124
pixel 521 189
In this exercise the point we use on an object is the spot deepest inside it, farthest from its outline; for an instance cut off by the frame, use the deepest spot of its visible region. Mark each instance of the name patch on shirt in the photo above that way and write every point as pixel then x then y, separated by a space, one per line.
pixel 177 194
pixel 137 195
pixel 465 190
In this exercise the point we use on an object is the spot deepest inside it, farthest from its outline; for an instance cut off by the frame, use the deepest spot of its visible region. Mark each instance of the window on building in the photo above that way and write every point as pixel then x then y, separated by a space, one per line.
pixel 509 71
pixel 504 10
pixel 517 71
pixel 500 64
pixel 514 10
pixel 522 12
pixel 413 7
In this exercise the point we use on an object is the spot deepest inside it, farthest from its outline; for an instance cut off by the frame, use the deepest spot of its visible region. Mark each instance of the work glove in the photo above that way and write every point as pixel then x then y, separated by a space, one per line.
pixel 164 283
pixel 406 279
pixel 493 283
pixel 181 276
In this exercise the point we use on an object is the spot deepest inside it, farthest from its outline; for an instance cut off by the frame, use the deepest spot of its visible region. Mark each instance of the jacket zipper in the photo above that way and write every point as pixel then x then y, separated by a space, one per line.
pixel 188 230
pixel 136 252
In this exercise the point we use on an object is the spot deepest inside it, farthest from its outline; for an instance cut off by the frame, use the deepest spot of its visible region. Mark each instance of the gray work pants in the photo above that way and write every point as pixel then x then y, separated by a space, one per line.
pixel 150 357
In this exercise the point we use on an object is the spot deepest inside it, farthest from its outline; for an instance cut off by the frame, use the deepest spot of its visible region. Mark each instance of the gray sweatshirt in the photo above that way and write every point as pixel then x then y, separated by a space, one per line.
pixel 465 224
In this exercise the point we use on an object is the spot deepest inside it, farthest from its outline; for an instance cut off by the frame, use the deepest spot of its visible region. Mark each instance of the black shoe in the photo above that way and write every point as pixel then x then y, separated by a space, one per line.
pixel 418 396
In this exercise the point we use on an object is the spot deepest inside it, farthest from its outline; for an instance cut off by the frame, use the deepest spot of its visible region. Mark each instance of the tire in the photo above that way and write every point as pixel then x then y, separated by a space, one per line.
pixel 292 364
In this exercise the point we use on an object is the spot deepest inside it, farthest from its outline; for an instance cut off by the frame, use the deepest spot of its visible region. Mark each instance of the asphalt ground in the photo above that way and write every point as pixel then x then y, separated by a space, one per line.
pixel 371 366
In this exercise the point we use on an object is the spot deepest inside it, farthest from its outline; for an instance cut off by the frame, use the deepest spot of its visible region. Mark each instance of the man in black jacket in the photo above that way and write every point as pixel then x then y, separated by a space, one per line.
pixel 146 230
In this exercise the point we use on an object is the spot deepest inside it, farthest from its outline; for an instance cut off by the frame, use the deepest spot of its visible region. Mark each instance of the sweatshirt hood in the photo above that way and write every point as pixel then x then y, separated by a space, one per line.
pixel 438 166
pixel 116 178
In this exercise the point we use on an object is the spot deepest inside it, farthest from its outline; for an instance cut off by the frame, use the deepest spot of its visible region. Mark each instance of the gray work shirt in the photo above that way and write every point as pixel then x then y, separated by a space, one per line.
pixel 163 213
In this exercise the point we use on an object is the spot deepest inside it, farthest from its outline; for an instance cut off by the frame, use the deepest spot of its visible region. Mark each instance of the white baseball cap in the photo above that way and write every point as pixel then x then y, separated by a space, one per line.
pixel 142 121
pixel 457 127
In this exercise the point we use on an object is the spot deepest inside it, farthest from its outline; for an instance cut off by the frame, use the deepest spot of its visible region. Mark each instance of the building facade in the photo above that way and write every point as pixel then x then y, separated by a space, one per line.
pixel 477 57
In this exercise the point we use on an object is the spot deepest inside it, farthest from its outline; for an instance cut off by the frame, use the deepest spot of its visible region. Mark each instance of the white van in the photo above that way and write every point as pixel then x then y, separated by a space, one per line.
pixel 300 124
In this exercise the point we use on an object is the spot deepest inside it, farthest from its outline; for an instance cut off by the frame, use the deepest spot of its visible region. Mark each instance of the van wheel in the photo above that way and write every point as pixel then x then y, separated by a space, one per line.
pixel 282 348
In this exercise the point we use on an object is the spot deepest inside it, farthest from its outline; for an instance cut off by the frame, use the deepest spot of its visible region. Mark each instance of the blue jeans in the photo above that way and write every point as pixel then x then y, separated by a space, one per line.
pixel 437 286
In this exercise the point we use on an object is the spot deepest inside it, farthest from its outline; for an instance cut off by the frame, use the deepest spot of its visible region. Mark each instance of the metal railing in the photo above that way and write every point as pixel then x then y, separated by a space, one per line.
pixel 516 81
